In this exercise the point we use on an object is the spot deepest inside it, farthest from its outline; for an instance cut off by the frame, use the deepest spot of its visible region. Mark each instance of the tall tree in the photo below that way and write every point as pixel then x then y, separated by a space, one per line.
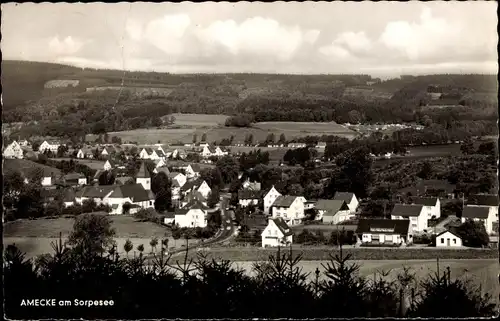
pixel 92 233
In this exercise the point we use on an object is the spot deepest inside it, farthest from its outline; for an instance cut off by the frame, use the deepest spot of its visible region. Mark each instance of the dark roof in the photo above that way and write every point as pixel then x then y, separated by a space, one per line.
pixel 49 192
pixel 483 199
pixel 135 192
pixel 381 226
pixel 332 207
pixel 123 179
pixel 196 167
pixel 281 224
pixel 426 201
pixel 284 201
pixel 191 184
pixel 173 174
pixel 69 195
pixel 163 170
pixel 407 210
pixel 475 212
pixel 143 172
pixel 181 211
pixel 160 153
pixel 169 215
pixel 96 191
pixel 345 196
pixel 452 231
pixel 98 173
pixel 247 194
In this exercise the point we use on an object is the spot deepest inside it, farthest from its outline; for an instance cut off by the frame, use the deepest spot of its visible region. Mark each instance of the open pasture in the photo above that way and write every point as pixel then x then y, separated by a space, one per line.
pixel 91 163
pixel 199 120
pixel 155 135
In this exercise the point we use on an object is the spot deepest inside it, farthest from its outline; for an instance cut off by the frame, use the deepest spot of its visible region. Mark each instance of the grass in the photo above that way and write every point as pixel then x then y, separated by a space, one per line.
pixel 199 120
pixel 153 135
pixel 24 165
pixel 34 237
pixel 91 163
pixel 318 128
pixel 326 228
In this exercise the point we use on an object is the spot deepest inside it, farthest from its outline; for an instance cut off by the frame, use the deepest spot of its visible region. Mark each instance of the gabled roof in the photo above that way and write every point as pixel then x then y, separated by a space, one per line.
pixel 406 210
pixel 247 194
pixel 192 184
pixel 195 196
pixel 381 226
pixel 96 191
pixel 283 227
pixel 284 201
pixel 160 153
pixel 143 172
pixel 344 196
pixel 195 167
pixel 148 150
pixel 135 192
pixel 483 200
pixel 481 212
pixel 267 190
pixel 331 206
pixel 450 230
pixel 123 179
pixel 426 201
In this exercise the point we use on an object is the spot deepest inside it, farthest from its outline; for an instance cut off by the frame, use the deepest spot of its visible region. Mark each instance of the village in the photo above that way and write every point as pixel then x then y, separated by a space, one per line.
pixel 277 217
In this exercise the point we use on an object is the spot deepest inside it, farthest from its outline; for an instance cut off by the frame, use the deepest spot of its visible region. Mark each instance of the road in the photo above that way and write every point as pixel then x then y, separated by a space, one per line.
pixel 227 230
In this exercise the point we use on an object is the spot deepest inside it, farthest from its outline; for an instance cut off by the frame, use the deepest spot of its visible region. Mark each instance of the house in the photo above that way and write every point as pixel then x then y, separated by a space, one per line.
pixel 196 185
pixel 75 179
pixel 488 215
pixel 157 154
pixel 384 232
pixel 193 196
pixel 135 195
pixel 84 153
pixel 321 145
pixel 52 146
pixel 145 152
pixel 169 218
pixel 332 211
pixel 96 193
pixel 350 199
pixel 143 177
pixel 208 151
pixel 108 165
pixel 483 200
pixel 309 204
pixel 435 188
pixel 194 214
pixel 193 170
pixel 108 150
pixel 290 208
pixel 13 150
pixel 159 163
pixel 432 206
pixel 248 197
pixel 251 185
pixel 414 213
pixel 448 238
pixel 179 177
pixel 24 143
pixel 276 233
pixel 269 197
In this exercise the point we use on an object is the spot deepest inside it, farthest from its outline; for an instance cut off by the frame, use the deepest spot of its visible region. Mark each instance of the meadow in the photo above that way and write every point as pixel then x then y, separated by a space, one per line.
pixel 91 163
pixel 34 237
pixel 199 120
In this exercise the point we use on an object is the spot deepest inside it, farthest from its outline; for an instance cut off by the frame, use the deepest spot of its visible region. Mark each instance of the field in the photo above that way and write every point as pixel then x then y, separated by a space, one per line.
pixel 199 120
pixel 153 135
pixel 484 272
pixel 35 236
pixel 296 129
pixel 25 165
pixel 91 163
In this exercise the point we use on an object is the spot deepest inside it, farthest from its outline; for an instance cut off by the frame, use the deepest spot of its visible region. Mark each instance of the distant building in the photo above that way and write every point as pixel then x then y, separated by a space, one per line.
pixel 52 146
pixel 108 165
pixel 193 170
pixel 277 233
pixel 321 145
pixel 269 197
pixel 432 206
pixel 332 211
pixel 194 214
pixel 485 214
pixel 143 177
pixel 13 150
pixel 247 197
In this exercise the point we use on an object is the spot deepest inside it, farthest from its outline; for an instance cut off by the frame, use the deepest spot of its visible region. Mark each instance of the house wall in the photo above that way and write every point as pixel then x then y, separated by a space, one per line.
pixel 13 151
pixel 204 189
pixel 293 215
pixel 117 201
pixel 382 238
pixel 193 218
pixel 353 205
pixel 80 154
pixel 488 222
pixel 181 179
pixel 339 217
pixel 143 154
pixel 442 240
pixel 46 181
pixel 269 199
pixel 145 182
pixel 107 166
pixel 82 181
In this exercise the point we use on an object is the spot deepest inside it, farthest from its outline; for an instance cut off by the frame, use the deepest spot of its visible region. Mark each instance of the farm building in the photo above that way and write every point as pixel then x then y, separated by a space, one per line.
pixel 449 238
pixel 384 232
pixel 276 233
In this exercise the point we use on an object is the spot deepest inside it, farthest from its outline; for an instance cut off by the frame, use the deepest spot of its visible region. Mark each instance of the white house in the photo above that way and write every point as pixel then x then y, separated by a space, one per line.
pixel 485 214
pixel 96 193
pixel 432 206
pixel 350 199
pixel 194 214
pixel 107 150
pixel 414 213
pixel 169 218
pixel 24 143
pixel 196 185
pixel 269 197
pixel 448 238
pixel 145 153
pixel 132 194
pixel 290 208
pixel 193 170
pixel 208 151
pixel 84 153
pixel 384 232
pixel 276 233
pixel 13 150
pixel 107 165
pixel 49 146
pixel 143 177
pixel 157 154
pixel 332 211
pixel 248 197
pixel 158 164
pixel 179 177
pixel 489 202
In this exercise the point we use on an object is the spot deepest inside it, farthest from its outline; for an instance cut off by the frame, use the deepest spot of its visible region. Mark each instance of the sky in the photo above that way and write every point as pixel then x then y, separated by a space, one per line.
pixel 376 38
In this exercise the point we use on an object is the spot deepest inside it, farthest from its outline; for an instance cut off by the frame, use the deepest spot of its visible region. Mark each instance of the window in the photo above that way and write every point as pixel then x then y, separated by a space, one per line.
pixel 442 241
pixel 150 202
pixel 454 241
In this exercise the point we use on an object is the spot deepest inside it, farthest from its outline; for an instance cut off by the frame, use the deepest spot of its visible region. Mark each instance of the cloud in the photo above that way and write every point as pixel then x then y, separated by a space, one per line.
pixel 355 41
pixel 422 40
pixel 66 47
pixel 167 33
pixel 257 36
pixel 134 30
pixel 335 51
